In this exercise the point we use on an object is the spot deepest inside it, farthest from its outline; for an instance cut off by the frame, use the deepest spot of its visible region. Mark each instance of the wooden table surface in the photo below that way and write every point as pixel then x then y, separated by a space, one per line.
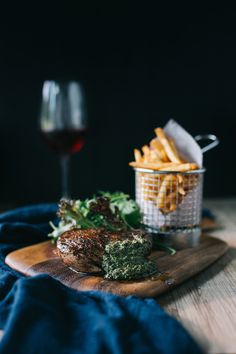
pixel 206 304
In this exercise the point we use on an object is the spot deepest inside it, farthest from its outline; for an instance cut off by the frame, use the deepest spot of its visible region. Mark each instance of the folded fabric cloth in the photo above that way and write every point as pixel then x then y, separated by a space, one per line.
pixel 40 315
pixel 207 213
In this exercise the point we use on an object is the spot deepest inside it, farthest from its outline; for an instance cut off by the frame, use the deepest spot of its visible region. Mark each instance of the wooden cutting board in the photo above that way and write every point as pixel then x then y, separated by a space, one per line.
pixel 209 224
pixel 173 270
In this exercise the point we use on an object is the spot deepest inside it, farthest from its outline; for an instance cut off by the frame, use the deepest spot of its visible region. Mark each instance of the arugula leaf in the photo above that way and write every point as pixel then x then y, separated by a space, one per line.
pixel 160 245
pixel 129 209
pixel 113 211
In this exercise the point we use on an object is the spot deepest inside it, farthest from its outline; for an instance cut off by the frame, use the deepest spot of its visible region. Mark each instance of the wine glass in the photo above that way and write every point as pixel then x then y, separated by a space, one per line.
pixel 63 122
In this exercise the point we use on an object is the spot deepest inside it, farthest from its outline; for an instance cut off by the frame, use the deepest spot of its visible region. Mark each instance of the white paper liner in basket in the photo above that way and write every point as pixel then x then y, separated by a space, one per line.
pixel 186 145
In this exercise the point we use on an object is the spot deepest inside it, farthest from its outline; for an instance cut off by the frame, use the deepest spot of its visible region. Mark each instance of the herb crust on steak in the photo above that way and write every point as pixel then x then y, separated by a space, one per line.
pixel 84 249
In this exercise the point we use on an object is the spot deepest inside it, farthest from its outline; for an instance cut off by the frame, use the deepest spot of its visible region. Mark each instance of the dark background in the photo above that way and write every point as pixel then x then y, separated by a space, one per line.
pixel 138 70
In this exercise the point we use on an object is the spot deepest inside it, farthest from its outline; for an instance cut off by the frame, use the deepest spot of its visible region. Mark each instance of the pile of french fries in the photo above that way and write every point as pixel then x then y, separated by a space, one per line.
pixel 165 190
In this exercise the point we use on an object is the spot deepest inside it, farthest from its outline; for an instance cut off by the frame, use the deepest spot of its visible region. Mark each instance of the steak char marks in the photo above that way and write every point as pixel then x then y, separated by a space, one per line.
pixel 83 250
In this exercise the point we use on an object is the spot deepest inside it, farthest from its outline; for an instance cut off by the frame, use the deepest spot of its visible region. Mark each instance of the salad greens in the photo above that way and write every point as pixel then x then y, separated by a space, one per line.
pixel 113 211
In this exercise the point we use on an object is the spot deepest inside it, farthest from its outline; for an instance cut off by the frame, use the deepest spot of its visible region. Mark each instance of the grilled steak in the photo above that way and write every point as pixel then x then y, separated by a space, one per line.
pixel 83 250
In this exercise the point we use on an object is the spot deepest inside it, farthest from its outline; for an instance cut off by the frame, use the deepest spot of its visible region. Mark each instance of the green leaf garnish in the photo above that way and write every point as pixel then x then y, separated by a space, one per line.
pixel 113 211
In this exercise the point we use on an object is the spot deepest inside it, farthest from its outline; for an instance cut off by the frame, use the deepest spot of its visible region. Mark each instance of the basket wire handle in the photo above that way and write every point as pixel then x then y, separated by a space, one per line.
pixel 214 141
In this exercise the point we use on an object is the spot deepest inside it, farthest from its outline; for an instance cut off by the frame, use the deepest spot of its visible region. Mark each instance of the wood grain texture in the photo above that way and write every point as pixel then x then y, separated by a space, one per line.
pixel 210 224
pixel 206 304
pixel 41 258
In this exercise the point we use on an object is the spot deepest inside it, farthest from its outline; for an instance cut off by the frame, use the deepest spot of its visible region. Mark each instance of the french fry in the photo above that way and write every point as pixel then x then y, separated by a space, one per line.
pixel 154 157
pixel 163 190
pixel 180 167
pixel 190 181
pixel 181 190
pixel 150 193
pixel 172 144
pixel 166 190
pixel 168 149
pixel 171 203
pixel 145 150
pixel 173 207
pixel 157 146
pixel 154 166
pixel 171 198
pixel 146 153
pixel 180 179
pixel 137 155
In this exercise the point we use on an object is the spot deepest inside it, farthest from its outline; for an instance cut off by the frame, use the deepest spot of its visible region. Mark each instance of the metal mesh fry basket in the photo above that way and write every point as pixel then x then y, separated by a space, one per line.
pixel 171 204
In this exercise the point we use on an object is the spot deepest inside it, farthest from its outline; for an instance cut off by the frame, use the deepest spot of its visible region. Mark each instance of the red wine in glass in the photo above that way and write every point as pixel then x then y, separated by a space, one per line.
pixel 66 141
pixel 63 122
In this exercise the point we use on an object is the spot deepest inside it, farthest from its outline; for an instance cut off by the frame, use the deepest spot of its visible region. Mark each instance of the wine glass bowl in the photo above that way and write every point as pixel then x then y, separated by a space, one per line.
pixel 66 141
pixel 63 122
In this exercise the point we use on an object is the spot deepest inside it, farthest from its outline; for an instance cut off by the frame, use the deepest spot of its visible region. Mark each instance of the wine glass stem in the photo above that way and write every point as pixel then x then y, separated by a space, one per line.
pixel 65 176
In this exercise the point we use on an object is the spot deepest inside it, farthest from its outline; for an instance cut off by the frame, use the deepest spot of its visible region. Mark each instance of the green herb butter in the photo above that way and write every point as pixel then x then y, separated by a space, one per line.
pixel 127 260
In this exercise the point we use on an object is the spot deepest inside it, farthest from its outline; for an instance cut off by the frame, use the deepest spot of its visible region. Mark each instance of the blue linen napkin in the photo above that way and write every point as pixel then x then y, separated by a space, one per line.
pixel 207 213
pixel 40 315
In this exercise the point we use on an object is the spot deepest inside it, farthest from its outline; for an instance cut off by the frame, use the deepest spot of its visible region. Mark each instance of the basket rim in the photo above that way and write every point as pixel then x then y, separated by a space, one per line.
pixel 157 172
